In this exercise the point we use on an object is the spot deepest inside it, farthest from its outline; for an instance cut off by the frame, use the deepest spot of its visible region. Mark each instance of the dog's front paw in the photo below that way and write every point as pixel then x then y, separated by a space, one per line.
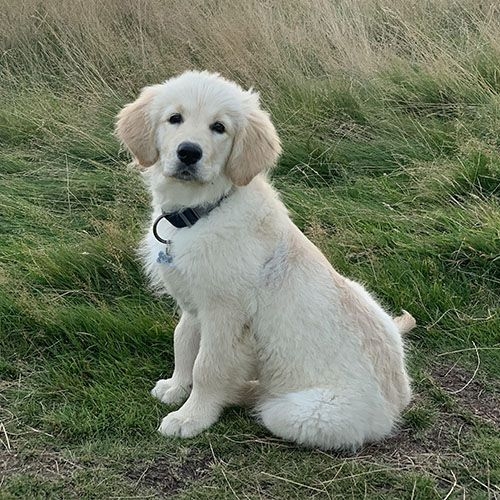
pixel 170 392
pixel 182 424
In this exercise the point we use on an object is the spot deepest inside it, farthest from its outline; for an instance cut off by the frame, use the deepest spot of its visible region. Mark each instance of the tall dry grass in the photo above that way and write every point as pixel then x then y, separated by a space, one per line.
pixel 124 44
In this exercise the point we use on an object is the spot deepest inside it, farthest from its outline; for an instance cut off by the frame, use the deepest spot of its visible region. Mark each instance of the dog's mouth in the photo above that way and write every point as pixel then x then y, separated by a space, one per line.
pixel 186 172
pixel 184 175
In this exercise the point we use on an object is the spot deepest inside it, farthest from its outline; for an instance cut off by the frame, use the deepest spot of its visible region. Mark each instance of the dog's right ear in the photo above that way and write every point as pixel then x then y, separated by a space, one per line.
pixel 135 129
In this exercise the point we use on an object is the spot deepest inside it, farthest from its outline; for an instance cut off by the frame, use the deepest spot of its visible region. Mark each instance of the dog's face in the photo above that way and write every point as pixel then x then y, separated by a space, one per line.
pixel 195 137
pixel 197 127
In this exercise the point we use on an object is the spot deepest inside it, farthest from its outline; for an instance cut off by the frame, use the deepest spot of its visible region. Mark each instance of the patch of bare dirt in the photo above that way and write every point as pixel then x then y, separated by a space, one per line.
pixel 48 464
pixel 443 438
pixel 469 392
pixel 168 477
pixel 409 446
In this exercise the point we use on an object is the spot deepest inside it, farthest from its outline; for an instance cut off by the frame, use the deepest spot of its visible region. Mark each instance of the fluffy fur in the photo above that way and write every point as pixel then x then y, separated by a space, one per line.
pixel 265 319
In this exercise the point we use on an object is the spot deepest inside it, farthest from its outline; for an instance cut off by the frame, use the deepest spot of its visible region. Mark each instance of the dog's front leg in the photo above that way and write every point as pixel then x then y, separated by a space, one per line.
pixel 223 364
pixel 176 389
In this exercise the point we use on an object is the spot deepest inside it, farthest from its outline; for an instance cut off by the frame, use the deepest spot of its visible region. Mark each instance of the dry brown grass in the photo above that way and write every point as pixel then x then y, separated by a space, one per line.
pixel 127 43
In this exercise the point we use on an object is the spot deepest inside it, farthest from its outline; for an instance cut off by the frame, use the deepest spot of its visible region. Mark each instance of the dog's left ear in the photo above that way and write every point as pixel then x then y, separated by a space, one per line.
pixel 256 146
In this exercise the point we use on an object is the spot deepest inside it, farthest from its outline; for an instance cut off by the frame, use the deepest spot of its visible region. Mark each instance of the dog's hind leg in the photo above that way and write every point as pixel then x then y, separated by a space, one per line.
pixel 327 418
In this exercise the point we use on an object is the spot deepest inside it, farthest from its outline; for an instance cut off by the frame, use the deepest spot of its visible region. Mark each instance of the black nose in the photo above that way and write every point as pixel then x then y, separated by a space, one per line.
pixel 189 152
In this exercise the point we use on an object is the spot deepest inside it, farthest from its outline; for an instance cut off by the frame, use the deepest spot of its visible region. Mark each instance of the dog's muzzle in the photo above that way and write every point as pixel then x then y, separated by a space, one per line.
pixel 188 153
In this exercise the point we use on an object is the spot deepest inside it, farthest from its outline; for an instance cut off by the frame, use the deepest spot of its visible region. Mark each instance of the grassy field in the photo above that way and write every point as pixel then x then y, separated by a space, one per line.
pixel 389 113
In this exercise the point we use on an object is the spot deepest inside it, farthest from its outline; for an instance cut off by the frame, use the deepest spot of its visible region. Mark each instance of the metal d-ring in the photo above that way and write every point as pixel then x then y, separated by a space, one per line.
pixel 155 229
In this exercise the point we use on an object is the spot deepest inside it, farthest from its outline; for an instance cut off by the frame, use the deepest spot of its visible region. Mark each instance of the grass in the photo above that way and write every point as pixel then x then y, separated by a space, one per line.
pixel 390 119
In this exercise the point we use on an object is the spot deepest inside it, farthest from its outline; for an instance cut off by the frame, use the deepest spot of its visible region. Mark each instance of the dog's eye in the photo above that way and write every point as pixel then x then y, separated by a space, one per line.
pixel 175 118
pixel 218 127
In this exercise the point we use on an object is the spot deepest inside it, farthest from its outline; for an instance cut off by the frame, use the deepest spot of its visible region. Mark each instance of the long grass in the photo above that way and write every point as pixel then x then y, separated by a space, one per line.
pixel 389 113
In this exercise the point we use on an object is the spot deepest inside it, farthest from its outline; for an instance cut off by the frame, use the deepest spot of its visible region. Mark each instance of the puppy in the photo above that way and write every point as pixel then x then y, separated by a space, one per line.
pixel 265 320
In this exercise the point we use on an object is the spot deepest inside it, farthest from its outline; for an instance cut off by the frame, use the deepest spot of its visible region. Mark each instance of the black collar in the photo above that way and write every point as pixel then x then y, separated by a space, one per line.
pixel 187 217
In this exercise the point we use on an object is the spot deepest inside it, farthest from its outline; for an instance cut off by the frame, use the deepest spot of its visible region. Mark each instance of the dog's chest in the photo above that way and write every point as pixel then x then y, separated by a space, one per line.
pixel 207 263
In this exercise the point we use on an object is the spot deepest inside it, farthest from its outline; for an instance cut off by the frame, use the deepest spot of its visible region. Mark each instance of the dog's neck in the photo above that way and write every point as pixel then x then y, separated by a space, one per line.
pixel 188 217
pixel 170 195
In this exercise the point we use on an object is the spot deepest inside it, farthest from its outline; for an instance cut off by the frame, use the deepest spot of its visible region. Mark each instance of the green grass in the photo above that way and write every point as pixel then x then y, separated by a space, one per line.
pixel 391 166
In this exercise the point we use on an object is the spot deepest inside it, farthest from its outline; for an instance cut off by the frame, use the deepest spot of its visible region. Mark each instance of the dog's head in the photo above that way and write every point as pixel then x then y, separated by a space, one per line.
pixel 199 126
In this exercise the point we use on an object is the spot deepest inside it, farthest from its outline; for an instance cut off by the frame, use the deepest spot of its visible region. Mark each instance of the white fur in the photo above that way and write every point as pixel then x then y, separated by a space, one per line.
pixel 265 318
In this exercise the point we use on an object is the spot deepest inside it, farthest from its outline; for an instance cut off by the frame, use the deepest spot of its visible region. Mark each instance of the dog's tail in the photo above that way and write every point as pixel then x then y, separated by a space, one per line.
pixel 405 322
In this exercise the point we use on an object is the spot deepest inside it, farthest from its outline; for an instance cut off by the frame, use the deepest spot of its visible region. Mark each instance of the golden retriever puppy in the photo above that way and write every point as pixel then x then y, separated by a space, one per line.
pixel 266 320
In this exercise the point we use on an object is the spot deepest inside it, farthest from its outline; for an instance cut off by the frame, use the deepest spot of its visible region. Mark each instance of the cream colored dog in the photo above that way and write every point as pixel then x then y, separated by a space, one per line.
pixel 265 318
